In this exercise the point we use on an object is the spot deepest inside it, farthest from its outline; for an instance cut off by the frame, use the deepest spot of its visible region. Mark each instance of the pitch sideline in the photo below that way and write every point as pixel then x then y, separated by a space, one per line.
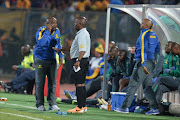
pixel 22 116
pixel 18 105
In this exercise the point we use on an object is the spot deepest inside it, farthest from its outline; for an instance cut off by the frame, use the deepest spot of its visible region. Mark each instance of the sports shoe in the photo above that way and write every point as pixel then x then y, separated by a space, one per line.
pixel 122 110
pixel 85 109
pixel 41 108
pixel 153 112
pixel 76 110
pixel 54 108
pixel 66 94
pixel 58 100
pixel 70 95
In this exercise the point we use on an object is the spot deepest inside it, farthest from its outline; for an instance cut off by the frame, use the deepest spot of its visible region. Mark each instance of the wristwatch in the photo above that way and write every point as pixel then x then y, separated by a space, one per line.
pixel 78 60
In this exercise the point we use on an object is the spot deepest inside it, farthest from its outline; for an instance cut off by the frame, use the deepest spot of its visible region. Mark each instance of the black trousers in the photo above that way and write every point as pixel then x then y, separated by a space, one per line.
pixel 80 76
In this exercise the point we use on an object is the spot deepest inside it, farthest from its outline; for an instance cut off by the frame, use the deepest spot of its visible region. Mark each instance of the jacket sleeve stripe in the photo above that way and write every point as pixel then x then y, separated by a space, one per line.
pixel 142 50
pixel 40 33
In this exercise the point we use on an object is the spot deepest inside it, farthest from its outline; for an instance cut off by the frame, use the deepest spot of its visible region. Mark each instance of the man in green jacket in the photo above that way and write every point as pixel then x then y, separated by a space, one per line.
pixel 170 79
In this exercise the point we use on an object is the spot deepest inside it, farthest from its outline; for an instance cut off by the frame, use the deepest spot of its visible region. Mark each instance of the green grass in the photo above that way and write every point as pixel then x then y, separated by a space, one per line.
pixel 16 102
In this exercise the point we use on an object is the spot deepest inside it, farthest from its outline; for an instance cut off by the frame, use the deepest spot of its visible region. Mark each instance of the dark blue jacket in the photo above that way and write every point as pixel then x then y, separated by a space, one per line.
pixel 45 40
pixel 147 46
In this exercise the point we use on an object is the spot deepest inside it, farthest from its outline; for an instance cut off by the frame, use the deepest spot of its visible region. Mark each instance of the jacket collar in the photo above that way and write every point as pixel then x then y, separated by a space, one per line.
pixel 80 30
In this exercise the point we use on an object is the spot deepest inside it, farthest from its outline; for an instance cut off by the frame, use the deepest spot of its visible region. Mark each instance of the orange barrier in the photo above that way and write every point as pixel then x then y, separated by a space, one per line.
pixel 58 78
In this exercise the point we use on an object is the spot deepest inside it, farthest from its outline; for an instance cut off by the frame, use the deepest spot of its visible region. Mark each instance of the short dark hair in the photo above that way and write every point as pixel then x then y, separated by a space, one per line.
pixel 174 44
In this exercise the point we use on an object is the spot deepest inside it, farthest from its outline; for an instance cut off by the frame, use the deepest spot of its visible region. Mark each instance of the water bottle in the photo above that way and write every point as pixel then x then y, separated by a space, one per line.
pixel 63 113
pixel 109 104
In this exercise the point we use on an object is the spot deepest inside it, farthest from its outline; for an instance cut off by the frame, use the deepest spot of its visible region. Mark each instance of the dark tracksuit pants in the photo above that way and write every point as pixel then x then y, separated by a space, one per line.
pixel 43 68
pixel 139 77
pixel 115 83
pixel 23 79
pixel 165 84
pixel 21 70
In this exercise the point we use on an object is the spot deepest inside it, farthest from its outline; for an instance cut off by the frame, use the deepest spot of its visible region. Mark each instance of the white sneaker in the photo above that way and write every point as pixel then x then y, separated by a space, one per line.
pixel 54 108
pixel 41 108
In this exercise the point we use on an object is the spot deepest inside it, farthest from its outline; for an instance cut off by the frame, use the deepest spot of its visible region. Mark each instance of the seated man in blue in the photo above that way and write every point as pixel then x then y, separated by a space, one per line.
pixel 93 64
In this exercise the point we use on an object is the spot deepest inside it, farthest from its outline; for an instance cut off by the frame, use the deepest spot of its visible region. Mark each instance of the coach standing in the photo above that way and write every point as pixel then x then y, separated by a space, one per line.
pixel 147 46
pixel 45 63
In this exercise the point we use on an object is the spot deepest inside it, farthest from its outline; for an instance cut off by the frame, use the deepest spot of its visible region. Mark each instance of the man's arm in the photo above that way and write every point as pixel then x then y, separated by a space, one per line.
pixel 62 49
pixel 144 46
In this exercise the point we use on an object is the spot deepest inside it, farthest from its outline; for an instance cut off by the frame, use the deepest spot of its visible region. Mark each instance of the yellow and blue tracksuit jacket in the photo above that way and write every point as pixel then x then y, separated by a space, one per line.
pixel 101 66
pixel 100 70
pixel 147 46
pixel 28 61
pixel 45 40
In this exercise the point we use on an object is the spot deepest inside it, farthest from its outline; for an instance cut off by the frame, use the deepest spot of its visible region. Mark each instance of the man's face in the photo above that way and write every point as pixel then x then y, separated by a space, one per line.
pixel 77 24
pixel 143 24
pixel 111 45
pixel 175 51
pixel 110 52
pixel 24 51
pixel 121 56
pixel 54 25
pixel 168 48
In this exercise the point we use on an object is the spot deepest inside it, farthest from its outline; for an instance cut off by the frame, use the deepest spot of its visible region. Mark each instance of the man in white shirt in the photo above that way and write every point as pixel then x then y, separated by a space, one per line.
pixel 80 52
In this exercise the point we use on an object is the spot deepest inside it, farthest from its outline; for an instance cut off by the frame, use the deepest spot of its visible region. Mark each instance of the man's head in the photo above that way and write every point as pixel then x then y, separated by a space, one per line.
pixel 25 50
pixel 99 51
pixel 113 51
pixel 168 47
pixel 146 24
pixel 122 55
pixel 53 22
pixel 175 48
pixel 111 44
pixel 80 23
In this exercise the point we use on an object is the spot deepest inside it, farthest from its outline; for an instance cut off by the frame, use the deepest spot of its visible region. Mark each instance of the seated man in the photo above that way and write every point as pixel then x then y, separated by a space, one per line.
pixel 93 64
pixel 25 73
pixel 170 79
pixel 28 61
pixel 123 83
pixel 122 69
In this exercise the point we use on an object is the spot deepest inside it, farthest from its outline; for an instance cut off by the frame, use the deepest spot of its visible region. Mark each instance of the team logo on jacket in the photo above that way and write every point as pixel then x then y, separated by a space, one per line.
pixel 82 46
pixel 152 36
pixel 56 36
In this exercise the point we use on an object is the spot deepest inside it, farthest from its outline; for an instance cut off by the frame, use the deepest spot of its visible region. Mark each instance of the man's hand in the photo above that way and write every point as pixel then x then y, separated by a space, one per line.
pixel 145 70
pixel 60 61
pixel 172 68
pixel 56 49
pixel 49 26
pixel 77 64
pixel 167 71
pixel 14 67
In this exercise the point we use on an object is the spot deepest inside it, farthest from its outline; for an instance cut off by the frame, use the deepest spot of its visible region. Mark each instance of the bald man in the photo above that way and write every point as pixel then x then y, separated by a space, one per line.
pixel 47 37
pixel 80 52
pixel 27 63
pixel 147 46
